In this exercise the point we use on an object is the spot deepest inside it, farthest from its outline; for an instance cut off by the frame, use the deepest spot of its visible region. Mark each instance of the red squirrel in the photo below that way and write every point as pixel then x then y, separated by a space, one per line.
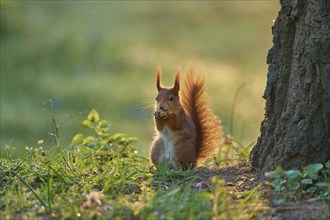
pixel 187 131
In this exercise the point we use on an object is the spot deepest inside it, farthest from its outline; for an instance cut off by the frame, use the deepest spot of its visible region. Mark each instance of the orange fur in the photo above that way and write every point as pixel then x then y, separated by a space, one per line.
pixel 187 130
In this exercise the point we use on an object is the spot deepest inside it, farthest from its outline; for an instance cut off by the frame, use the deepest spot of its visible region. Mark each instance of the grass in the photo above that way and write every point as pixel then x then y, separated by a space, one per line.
pixel 103 55
pixel 100 175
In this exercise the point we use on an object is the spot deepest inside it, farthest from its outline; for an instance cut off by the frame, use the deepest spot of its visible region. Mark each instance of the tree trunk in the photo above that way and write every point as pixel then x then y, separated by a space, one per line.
pixel 296 128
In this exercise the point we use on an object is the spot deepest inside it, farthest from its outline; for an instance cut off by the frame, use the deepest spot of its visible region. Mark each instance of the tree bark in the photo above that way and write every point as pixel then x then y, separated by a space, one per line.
pixel 296 128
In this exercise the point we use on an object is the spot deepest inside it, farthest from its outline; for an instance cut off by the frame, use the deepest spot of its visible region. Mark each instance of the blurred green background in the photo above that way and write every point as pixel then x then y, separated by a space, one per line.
pixel 65 58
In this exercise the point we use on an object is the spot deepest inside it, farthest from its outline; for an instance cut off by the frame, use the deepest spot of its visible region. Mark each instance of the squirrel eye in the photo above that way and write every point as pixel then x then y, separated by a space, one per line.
pixel 171 98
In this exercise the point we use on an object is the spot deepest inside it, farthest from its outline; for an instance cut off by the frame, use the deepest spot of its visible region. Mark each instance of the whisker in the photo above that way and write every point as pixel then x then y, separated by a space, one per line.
pixel 146 106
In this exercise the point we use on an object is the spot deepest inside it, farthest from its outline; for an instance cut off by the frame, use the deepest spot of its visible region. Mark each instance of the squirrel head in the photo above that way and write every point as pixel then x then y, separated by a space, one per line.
pixel 168 101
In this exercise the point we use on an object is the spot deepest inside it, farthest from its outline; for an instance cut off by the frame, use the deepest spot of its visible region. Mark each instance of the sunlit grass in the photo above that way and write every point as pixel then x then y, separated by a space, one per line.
pixel 101 175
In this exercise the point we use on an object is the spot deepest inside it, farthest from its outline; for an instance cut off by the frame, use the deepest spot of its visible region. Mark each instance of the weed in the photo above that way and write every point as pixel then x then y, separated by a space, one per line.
pixel 231 152
pixel 313 181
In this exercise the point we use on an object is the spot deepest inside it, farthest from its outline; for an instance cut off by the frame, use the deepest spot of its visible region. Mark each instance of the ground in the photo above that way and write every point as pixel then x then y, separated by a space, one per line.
pixel 102 176
pixel 243 177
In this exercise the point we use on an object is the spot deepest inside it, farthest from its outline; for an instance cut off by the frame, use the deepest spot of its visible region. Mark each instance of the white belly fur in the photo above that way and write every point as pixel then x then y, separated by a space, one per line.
pixel 169 141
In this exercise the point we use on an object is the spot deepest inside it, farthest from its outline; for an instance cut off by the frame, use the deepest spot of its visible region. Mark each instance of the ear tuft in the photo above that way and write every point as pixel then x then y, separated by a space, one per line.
pixel 176 86
pixel 158 74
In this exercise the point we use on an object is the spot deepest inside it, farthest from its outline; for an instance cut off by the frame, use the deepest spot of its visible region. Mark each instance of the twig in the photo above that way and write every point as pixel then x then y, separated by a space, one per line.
pixel 55 126
pixel 231 126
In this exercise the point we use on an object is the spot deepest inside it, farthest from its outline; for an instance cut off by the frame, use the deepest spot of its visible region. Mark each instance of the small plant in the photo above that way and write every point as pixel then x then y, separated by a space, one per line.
pixel 105 145
pixel 312 181
pixel 231 152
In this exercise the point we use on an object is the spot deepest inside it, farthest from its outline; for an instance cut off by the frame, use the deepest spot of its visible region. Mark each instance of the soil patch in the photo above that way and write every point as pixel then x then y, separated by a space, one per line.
pixel 243 177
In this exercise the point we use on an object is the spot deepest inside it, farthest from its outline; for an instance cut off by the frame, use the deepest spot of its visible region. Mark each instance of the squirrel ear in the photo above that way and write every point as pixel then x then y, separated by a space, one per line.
pixel 176 86
pixel 159 74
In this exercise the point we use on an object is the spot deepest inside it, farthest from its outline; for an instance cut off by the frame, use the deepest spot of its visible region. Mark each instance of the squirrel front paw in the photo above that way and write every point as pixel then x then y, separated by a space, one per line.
pixel 159 115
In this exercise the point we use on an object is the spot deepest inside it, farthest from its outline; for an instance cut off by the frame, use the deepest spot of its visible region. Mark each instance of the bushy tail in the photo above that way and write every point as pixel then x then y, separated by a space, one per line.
pixel 208 125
